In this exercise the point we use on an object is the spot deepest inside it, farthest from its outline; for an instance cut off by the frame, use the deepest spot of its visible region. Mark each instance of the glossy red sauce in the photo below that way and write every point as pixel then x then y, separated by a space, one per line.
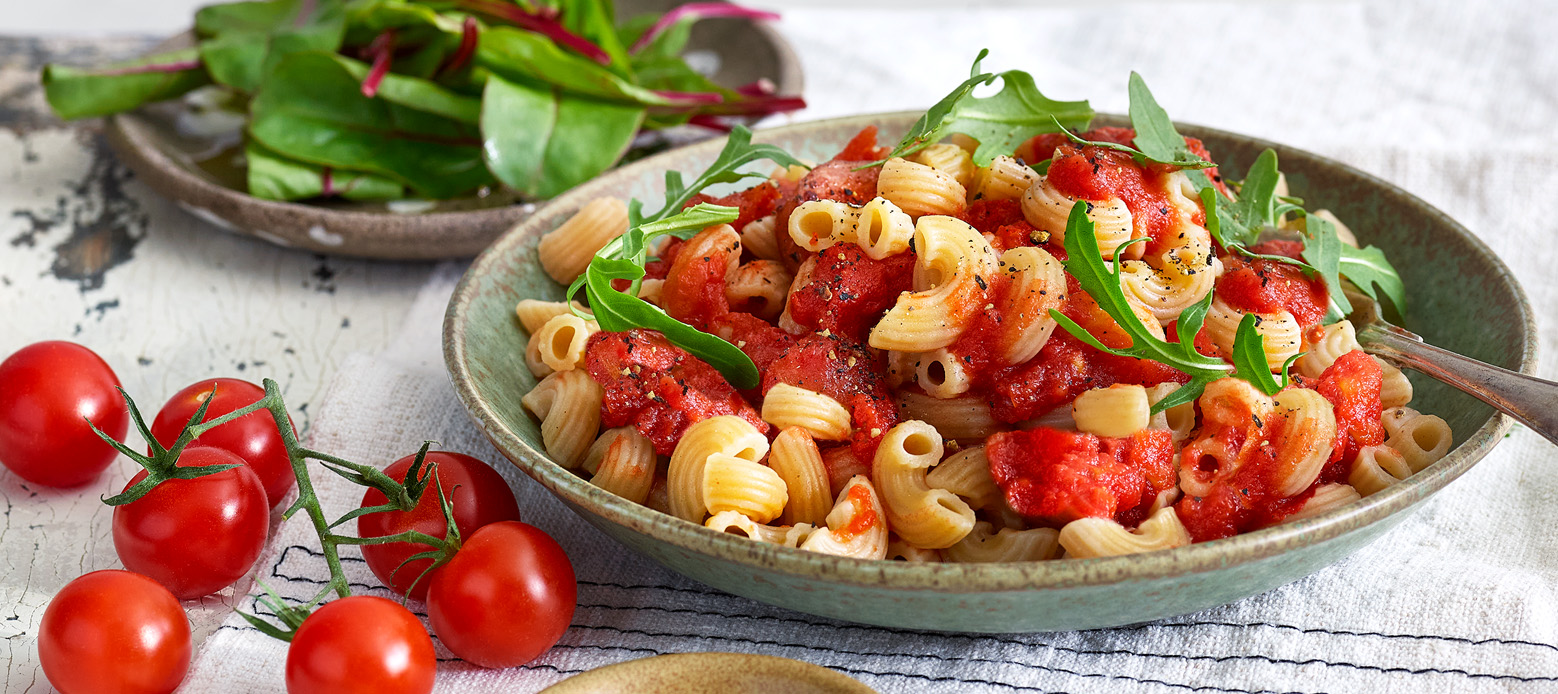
pixel 1042 147
pixel 1095 173
pixel 658 268
pixel 1247 499
pixel 760 340
pixel 694 290
pixel 658 388
pixel 849 291
pixel 846 371
pixel 833 180
pixel 1352 386
pixel 865 517
pixel 1267 286
pixel 1054 477
pixel 862 147
pixel 756 202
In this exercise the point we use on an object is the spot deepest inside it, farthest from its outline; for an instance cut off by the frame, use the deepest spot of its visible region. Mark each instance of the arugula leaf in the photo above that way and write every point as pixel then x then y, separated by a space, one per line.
pixel 1086 264
pixel 624 258
pixel 1249 357
pixel 619 311
pixel 1155 133
pixel 542 141
pixel 999 122
pixel 738 152
pixel 1373 274
pixel 1138 155
pixel 274 177
pixel 1323 251
pixel 76 93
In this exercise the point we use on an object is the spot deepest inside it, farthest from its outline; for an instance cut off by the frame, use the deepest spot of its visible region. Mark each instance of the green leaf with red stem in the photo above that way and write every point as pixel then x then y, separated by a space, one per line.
pixel 78 93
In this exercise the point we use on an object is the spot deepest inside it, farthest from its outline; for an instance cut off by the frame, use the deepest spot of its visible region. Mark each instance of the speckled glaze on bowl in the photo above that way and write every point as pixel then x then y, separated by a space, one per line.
pixel 148 140
pixel 484 347
pixel 710 673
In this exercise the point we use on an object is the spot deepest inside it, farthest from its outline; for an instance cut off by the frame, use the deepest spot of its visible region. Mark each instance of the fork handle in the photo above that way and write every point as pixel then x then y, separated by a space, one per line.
pixel 1531 401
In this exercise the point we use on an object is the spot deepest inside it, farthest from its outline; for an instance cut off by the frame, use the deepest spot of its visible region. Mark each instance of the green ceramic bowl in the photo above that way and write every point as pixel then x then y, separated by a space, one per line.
pixel 1483 313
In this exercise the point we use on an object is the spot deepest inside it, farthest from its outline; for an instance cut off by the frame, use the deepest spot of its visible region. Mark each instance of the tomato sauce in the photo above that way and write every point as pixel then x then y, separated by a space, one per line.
pixel 1053 477
pixel 658 388
pixel 1042 147
pixel 840 179
pixel 1352 386
pixel 849 291
pixel 694 290
pixel 846 371
pixel 1247 498
pixel 756 202
pixel 1267 286
pixel 865 517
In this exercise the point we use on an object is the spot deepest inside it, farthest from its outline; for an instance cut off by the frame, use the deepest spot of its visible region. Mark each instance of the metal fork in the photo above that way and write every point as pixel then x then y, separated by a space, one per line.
pixel 1531 401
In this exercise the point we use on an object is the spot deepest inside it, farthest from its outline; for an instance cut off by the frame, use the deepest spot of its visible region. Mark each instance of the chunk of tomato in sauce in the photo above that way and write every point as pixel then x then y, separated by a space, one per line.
pixel 846 371
pixel 658 388
pixel 1259 285
pixel 694 290
pixel 755 203
pixel 834 180
pixel 1053 477
pixel 1042 147
pixel 1352 386
pixel 1245 498
pixel 760 340
pixel 862 147
pixel 849 291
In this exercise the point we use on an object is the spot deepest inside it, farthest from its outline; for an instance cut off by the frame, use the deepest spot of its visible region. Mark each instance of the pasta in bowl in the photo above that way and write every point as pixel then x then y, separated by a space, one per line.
pixel 924 388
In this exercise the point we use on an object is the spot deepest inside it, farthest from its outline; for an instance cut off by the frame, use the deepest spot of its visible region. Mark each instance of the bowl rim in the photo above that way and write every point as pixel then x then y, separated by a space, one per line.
pixel 954 577
pixel 427 236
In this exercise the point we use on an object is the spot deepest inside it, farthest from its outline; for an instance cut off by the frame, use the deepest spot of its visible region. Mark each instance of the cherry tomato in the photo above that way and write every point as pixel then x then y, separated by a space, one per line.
pixel 47 392
pixel 506 597
pixel 477 492
pixel 252 437
pixel 114 631
pixel 361 644
pixel 195 536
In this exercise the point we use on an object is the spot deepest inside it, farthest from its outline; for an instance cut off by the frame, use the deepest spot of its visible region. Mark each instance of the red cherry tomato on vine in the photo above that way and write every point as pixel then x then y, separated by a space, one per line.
pixel 252 437
pixel 506 597
pixel 361 645
pixel 114 631
pixel 47 392
pixel 479 497
pixel 195 536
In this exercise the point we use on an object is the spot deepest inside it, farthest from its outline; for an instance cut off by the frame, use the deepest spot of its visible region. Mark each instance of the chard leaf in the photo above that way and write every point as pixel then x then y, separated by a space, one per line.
pixel 1373 274
pixel 999 122
pixel 311 108
pixel 76 93
pixel 523 56
pixel 417 93
pixel 1249 357
pixel 595 20
pixel 244 41
pixel 274 177
pixel 542 141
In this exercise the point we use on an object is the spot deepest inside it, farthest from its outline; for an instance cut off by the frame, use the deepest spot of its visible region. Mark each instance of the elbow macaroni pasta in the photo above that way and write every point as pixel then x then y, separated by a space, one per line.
pixel 961 342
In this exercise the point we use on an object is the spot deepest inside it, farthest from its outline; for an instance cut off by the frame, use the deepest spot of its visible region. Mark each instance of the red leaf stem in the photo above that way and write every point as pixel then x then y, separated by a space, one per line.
pixel 710 122
pixel 692 98
pixel 698 10
pixel 762 87
pixel 462 55
pixel 383 50
pixel 544 24
pixel 326 185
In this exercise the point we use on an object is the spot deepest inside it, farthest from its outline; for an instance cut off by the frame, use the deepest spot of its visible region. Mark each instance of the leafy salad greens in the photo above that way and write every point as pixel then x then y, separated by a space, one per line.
pixel 1000 122
pixel 372 99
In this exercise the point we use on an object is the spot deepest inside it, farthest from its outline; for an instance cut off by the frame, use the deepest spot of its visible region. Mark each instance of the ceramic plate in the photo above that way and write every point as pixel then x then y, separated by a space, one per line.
pixel 199 171
pixel 710 673
pixel 1482 313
